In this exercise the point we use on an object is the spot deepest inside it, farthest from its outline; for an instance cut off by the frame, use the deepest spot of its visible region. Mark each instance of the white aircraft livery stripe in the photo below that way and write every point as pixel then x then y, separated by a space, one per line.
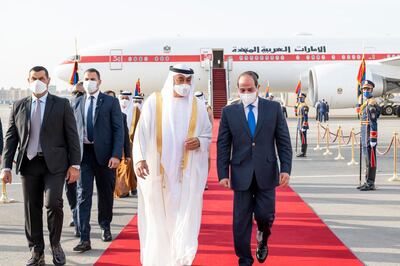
pixel 234 57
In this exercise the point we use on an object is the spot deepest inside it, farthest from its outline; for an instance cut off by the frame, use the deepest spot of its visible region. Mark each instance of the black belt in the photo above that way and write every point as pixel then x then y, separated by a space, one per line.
pixel 87 146
pixel 40 154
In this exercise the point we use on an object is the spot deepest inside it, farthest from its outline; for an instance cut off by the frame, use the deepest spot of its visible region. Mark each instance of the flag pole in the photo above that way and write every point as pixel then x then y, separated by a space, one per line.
pixel 76 49
pixel 361 103
pixel 360 95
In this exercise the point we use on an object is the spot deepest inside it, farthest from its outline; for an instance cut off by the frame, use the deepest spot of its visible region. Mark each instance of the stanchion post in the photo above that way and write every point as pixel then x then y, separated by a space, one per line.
pixel 318 148
pixel 339 135
pixel 353 139
pixel 327 151
pixel 395 177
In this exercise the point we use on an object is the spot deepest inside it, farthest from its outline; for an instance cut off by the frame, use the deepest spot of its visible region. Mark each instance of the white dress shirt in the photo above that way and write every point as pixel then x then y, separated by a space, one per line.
pixel 87 104
pixel 255 109
pixel 42 101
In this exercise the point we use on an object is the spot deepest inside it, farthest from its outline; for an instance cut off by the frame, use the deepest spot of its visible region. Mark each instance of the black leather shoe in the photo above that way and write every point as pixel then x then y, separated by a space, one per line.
pixel 368 188
pixel 58 255
pixel 262 252
pixel 362 186
pixel 71 224
pixel 37 259
pixel 76 233
pixel 134 192
pixel 83 246
pixel 301 155
pixel 106 235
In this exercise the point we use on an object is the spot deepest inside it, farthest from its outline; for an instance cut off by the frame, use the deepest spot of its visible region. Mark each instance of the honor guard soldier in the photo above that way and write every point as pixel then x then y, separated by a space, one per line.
pixel 369 113
pixel 302 127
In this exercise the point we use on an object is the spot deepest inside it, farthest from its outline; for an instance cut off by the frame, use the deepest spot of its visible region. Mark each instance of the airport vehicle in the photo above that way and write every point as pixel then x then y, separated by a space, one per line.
pixel 390 104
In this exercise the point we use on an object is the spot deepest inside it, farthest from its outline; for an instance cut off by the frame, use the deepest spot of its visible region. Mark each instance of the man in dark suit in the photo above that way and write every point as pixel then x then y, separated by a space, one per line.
pixel 42 127
pixel 249 134
pixel 70 188
pixel 103 138
pixel 1 139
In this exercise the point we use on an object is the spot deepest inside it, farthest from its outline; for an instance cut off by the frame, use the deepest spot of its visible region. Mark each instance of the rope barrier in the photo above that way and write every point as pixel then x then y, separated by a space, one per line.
pixel 352 138
pixel 323 137
pixel 339 136
pixel 336 136
pixel 388 149
pixel 358 133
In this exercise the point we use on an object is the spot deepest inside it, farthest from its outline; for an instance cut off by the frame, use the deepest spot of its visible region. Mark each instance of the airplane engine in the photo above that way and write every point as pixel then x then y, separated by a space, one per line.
pixel 337 83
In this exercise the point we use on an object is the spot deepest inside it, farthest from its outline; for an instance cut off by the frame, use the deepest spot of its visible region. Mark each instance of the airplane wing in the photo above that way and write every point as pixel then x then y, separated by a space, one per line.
pixel 393 61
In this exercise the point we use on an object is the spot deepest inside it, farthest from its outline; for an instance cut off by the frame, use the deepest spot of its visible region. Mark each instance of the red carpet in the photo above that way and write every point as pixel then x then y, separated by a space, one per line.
pixel 299 237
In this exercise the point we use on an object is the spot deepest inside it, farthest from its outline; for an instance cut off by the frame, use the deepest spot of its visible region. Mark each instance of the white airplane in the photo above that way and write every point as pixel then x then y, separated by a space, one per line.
pixel 327 68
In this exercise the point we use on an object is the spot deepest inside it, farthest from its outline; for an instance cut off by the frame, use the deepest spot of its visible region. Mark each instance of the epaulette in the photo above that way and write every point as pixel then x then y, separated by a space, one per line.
pixel 372 101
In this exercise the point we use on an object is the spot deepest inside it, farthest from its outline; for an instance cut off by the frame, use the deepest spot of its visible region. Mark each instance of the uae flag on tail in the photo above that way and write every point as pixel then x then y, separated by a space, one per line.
pixel 75 76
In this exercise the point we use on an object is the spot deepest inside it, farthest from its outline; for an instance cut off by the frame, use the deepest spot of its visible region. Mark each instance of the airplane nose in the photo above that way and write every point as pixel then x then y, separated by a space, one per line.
pixel 64 71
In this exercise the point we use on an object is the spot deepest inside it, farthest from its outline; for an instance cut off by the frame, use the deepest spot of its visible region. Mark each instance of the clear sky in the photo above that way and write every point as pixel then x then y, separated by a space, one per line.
pixel 42 32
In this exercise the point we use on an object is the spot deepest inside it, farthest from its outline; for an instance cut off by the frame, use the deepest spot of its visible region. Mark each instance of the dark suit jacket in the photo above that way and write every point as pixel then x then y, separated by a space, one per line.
pixel 58 136
pixel 127 142
pixel 108 134
pixel 245 157
pixel 1 138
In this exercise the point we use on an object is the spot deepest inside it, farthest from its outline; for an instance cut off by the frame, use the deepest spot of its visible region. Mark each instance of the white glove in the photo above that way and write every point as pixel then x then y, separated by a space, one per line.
pixel 372 143
pixel 303 130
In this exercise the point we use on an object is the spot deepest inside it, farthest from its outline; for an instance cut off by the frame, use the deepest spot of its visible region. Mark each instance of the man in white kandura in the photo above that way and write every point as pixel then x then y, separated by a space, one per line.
pixel 170 152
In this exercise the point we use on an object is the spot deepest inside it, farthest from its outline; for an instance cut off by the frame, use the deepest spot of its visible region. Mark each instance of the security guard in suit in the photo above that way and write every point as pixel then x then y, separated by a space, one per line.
pixel 302 127
pixel 369 113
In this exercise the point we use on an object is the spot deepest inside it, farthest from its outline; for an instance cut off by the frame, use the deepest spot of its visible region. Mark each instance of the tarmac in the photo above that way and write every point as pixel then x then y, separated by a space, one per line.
pixel 366 222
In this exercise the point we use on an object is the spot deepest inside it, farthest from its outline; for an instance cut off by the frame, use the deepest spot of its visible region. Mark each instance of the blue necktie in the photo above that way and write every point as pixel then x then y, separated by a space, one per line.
pixel 251 120
pixel 89 120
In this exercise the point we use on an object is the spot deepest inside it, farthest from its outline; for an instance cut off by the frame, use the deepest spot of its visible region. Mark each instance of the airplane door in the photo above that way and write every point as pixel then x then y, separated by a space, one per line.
pixel 218 58
pixel 116 59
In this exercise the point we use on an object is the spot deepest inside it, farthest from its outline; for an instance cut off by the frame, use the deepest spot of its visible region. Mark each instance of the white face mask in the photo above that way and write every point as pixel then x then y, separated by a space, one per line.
pixel 124 103
pixel 37 87
pixel 90 86
pixel 248 98
pixel 182 89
